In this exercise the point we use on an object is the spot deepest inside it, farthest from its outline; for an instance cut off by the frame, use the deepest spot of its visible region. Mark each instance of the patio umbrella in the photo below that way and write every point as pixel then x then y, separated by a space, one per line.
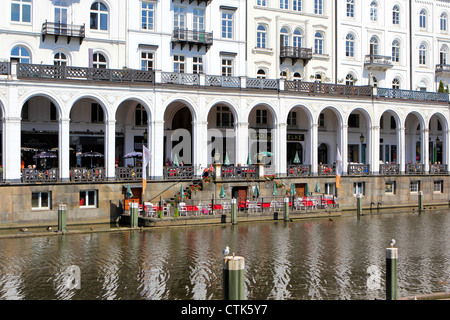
pixel 292 189
pixel 129 193
pixel 92 154
pixel 181 191
pixel 256 191
pixel 175 161
pixel 249 162
pixel 317 188
pixel 307 190
pixel 222 192
pixel 226 161
pixel 266 153
pixel 296 159
pixel 274 192
pixel 44 155
pixel 134 154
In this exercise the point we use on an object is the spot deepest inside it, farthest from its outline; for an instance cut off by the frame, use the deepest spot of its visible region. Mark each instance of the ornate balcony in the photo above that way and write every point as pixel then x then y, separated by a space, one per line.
pixel 192 38
pixel 298 170
pixel 196 1
pixel 295 53
pixel 62 29
pixel 442 70
pixel 240 172
pixel 356 169
pixel 377 62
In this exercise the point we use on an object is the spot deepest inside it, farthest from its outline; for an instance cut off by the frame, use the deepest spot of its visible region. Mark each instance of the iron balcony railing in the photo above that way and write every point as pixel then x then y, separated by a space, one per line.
pixel 63 29
pixel 389 168
pixel 40 175
pixel 296 52
pixel 84 174
pixel 327 169
pixel 327 88
pixel 5 68
pixel 223 81
pixel 192 37
pixel 249 172
pixel 412 95
pixel 378 61
pixel 180 78
pixel 128 173
pixel 355 169
pixel 25 70
pixel 414 168
pixel 442 68
pixel 179 172
pixel 261 83
pixel 438 168
pixel 298 170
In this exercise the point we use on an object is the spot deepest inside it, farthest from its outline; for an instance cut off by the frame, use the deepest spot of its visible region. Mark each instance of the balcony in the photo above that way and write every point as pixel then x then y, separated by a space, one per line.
pixel 327 88
pixel 192 38
pixel 62 29
pixel 442 70
pixel 295 53
pixel 198 2
pixel 377 62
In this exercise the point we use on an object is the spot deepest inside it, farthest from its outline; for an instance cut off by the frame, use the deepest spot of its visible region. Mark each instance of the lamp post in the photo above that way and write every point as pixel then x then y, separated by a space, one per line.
pixel 361 138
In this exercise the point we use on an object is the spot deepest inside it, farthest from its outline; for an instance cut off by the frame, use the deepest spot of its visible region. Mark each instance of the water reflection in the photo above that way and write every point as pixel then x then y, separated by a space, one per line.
pixel 308 259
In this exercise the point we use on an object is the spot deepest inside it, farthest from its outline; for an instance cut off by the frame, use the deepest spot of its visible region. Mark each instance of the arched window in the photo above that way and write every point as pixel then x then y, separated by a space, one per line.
pixel 283 75
pixel 297 76
pixel 423 19
pixel 261 36
pixel 261 74
pixel 396 15
pixel 374 45
pixel 443 21
pixel 99 16
pixel 20 54
pixel 60 59
pixel 443 55
pixel 298 37
pixel 284 37
pixel 318 43
pixel 99 61
pixel 395 51
pixel 395 84
pixel 422 54
pixel 349 45
pixel 374 11
pixel 349 80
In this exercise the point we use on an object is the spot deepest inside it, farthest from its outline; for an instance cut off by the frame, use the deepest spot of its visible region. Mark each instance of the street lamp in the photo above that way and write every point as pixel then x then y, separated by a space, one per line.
pixel 361 138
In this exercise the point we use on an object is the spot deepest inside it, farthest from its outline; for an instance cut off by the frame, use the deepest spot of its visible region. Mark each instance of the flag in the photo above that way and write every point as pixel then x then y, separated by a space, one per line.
pixel 145 161
pixel 338 168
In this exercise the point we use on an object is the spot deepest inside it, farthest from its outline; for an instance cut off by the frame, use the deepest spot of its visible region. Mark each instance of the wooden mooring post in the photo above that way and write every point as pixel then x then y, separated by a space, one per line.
pixel 233 278
pixel 134 214
pixel 391 272
pixel 359 204
pixel 420 201
pixel 286 209
pixel 233 211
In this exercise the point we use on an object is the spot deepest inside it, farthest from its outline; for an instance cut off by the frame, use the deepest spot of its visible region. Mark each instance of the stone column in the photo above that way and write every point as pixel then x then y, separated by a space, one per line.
pixel 241 140
pixel 425 149
pixel 11 149
pixel 63 149
pixel 313 146
pixel 374 147
pixel 401 149
pixel 200 145
pixel 157 149
pixel 281 150
pixel 342 144
pixel 110 149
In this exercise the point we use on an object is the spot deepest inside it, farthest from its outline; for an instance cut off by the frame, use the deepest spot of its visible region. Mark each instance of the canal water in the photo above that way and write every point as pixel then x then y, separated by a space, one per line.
pixel 314 259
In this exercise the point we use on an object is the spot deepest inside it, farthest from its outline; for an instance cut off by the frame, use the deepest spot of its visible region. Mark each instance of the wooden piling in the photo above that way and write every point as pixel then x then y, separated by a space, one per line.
pixel 286 209
pixel 420 201
pixel 233 211
pixel 233 278
pixel 62 217
pixel 391 273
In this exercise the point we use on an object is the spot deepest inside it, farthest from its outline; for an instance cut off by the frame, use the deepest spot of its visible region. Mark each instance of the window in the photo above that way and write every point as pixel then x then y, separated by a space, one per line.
pixel 284 4
pixel 292 118
pixel 443 22
pixel 88 199
pixel 262 3
pixel 99 61
pixel 374 45
pixel 261 74
pixel 140 116
pixel 414 186
pixel 358 188
pixel 227 24
pixel 438 186
pixel 350 46
pixel 322 120
pixel 199 20
pixel 297 5
pixel 423 19
pixel 179 63
pixel 227 67
pixel 21 10
pixel 99 16
pixel 148 15
pixel 330 188
pixel 261 116
pixel 395 84
pixel 373 11
pixel 318 43
pixel 443 55
pixel 395 51
pixel 318 6
pixel 350 8
pixel 179 17
pixel 297 39
pixel 284 37
pixel 422 54
pixel 349 80
pixel 20 54
pixel 61 11
pixel 389 187
pixel 147 61
pixel 224 117
pixel 197 65
pixel 261 36
pixel 60 59
pixel 283 75
pixel 41 200
pixel 297 76
pixel 96 113
pixel 395 15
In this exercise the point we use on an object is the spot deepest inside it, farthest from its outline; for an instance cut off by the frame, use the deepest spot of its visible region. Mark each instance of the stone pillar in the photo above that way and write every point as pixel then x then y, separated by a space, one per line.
pixel 200 145
pixel 241 140
pixel 313 146
pixel 281 150
pixel 110 149
pixel 374 146
pixel 156 149
pixel 401 149
pixel 11 157
pixel 63 149
pixel 425 149
pixel 342 143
